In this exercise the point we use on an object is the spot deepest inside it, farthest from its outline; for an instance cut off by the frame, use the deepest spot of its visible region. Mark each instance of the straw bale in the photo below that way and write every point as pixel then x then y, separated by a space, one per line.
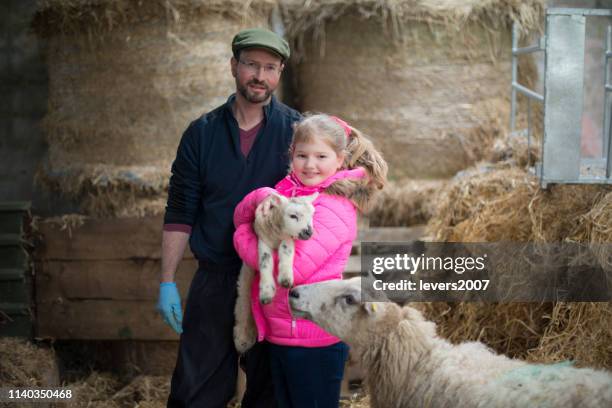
pixel 406 202
pixel 484 205
pixel 512 329
pixel 598 230
pixel 499 202
pixel 543 333
pixel 104 191
pixel 434 98
pixel 121 93
pixel 515 150
pixel 489 204
pixel 577 331
pixel 98 17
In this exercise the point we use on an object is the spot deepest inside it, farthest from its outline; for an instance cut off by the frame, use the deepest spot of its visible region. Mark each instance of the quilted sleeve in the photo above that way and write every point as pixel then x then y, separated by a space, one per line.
pixel 245 210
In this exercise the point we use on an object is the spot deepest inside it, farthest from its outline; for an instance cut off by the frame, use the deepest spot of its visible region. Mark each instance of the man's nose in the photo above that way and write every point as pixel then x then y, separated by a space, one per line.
pixel 259 73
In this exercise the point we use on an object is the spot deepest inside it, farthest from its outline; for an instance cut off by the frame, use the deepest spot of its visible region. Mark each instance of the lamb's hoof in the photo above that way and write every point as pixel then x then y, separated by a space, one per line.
pixel 243 342
pixel 266 293
pixel 286 282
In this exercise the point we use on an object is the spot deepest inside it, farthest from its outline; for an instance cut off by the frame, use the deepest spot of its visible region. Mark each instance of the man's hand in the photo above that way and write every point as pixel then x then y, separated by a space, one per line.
pixel 169 305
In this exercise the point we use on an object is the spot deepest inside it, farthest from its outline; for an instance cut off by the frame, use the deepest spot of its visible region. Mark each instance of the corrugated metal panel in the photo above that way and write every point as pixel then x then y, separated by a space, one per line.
pixel 15 282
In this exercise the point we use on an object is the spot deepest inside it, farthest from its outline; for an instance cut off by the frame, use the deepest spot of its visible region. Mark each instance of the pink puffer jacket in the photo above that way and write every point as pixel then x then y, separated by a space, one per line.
pixel 322 257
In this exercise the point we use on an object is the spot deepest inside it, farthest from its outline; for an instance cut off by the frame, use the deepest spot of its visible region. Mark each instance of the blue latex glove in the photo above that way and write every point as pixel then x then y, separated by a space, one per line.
pixel 169 305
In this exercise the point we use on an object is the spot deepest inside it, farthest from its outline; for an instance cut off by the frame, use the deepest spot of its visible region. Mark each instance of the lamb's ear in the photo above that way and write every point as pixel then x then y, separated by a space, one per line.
pixel 370 308
pixel 310 198
pixel 277 200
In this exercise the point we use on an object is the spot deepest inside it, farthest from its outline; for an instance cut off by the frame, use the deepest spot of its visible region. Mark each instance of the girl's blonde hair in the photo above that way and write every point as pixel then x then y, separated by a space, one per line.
pixel 357 149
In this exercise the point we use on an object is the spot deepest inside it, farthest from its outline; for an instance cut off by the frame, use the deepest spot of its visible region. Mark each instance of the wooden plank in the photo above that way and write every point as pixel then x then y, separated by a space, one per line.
pixel 141 238
pixel 124 238
pixel 102 320
pixel 353 267
pixel 117 279
pixel 389 234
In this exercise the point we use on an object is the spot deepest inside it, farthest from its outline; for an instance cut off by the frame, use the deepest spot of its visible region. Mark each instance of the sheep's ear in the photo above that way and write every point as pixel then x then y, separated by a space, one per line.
pixel 370 307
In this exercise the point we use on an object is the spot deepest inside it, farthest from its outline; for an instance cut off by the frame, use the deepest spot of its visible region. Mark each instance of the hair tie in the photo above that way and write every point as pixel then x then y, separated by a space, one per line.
pixel 345 126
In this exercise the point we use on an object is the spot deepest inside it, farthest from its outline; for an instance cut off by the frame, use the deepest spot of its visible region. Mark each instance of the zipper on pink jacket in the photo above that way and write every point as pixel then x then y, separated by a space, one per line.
pixel 293 321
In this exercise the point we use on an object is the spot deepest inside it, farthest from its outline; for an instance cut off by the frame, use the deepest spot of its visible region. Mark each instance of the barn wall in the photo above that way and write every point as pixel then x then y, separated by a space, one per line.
pixel 23 101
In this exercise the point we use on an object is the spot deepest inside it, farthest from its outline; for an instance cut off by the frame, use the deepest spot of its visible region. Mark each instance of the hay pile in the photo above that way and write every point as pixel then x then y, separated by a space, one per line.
pixel 126 78
pixel 406 202
pixel 494 203
pixel 23 364
pixel 428 80
pixel 106 390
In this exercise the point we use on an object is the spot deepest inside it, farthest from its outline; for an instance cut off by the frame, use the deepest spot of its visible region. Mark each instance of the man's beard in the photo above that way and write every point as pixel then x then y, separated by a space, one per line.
pixel 252 97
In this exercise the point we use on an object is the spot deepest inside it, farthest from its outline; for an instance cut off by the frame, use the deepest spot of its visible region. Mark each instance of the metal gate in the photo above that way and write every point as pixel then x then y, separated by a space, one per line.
pixel 563 96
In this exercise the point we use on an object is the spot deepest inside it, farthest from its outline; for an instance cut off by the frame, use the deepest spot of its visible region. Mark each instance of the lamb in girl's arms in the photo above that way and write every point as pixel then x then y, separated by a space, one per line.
pixel 285 220
pixel 288 219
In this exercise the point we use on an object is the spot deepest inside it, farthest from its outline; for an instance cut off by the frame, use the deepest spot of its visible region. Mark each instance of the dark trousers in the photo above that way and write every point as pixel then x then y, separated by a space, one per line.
pixel 206 368
pixel 308 377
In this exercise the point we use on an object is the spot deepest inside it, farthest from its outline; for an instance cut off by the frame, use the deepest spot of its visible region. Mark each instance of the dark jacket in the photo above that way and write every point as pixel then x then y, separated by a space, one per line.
pixel 210 175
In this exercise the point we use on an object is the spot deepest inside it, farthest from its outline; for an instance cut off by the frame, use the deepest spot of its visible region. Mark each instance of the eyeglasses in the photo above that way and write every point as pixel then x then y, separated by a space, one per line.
pixel 254 68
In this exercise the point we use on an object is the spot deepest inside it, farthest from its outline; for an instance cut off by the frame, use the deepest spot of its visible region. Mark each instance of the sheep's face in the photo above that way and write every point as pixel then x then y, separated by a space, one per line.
pixel 335 305
pixel 297 215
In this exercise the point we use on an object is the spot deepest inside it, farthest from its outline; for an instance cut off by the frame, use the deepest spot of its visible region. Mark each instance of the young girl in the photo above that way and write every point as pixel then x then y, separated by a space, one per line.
pixel 332 158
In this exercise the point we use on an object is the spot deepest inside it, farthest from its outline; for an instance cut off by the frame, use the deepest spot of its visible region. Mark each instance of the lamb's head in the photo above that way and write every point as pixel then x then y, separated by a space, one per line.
pixel 297 214
pixel 337 307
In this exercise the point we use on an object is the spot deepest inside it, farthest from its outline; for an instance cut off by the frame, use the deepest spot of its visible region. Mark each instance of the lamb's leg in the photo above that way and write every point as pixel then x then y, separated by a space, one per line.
pixel 286 251
pixel 267 288
pixel 245 332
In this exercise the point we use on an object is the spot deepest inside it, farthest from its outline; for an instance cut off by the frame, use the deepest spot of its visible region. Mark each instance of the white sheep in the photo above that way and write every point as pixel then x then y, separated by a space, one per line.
pixel 288 219
pixel 408 365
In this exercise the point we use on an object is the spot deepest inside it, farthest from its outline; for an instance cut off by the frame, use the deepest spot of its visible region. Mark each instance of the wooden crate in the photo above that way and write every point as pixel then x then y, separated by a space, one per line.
pixel 100 281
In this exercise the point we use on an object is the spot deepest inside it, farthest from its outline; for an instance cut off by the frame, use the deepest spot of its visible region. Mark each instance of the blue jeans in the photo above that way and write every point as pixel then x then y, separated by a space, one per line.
pixel 307 377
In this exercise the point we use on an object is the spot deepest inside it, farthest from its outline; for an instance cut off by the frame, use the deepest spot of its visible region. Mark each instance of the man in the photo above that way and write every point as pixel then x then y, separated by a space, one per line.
pixel 238 147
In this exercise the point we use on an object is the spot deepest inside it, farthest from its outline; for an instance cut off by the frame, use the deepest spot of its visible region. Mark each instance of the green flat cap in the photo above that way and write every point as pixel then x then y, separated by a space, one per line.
pixel 261 38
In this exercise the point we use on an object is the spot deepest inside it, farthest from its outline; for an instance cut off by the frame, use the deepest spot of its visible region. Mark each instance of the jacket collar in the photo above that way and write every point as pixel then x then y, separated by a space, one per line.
pixel 295 187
